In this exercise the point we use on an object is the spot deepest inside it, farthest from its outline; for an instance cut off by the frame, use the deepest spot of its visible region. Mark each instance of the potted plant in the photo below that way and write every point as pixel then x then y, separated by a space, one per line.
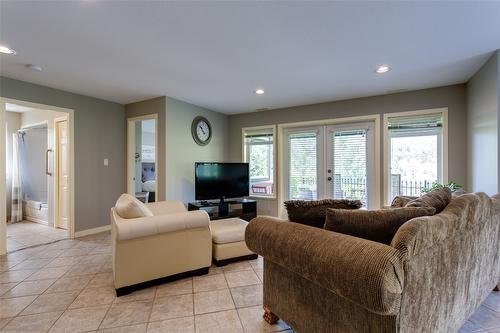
pixel 455 188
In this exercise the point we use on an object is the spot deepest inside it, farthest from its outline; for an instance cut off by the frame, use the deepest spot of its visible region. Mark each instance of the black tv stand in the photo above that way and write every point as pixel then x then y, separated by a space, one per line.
pixel 245 209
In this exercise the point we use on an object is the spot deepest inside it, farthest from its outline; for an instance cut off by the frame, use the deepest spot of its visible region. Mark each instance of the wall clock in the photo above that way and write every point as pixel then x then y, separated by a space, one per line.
pixel 201 130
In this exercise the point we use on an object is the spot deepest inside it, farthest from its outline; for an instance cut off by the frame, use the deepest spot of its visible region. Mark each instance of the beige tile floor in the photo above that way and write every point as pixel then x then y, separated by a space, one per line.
pixel 25 234
pixel 67 286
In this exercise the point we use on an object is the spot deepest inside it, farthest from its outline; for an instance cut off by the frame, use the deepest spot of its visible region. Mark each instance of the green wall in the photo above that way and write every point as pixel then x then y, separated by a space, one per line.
pixel 183 152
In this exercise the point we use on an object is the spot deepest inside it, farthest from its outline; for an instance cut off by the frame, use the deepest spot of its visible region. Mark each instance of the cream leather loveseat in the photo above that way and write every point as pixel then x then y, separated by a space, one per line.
pixel 157 242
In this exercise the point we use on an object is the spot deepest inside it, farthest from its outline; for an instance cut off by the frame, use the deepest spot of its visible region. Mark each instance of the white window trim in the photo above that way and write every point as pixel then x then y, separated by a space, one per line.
pixel 443 146
pixel 274 157
pixel 282 158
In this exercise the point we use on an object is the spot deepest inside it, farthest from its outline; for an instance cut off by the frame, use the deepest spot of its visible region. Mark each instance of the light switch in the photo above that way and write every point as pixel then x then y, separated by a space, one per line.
pixel 106 162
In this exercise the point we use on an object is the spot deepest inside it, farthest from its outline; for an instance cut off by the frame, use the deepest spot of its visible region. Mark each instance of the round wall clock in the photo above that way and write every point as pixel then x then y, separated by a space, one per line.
pixel 201 130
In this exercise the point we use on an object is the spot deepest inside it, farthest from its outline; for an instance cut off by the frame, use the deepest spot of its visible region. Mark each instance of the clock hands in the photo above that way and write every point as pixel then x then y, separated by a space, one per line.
pixel 202 129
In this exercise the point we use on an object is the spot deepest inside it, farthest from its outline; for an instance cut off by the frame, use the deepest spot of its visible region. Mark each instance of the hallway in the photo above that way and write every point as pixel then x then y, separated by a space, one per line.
pixel 26 234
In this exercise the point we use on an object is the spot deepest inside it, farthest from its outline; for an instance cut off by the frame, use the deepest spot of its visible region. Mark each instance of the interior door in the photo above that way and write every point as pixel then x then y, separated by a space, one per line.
pixel 349 162
pixel 63 174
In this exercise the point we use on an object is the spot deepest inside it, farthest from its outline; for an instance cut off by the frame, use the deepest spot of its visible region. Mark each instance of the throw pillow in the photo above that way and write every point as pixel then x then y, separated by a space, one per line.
pixel 438 199
pixel 128 207
pixel 401 201
pixel 376 225
pixel 313 213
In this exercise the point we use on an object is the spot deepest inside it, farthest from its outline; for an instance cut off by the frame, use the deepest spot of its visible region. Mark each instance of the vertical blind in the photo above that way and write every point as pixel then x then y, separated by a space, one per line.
pixel 303 166
pixel 349 165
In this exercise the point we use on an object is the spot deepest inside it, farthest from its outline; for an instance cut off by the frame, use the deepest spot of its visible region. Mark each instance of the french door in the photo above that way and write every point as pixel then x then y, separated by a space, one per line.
pixel 335 161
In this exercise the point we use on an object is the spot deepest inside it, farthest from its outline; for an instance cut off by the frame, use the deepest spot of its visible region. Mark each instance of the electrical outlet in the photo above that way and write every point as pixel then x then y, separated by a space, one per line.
pixel 106 162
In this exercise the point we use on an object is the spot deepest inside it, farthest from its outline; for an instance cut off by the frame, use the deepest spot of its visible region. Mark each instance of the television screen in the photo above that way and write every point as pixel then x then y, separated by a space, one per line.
pixel 221 180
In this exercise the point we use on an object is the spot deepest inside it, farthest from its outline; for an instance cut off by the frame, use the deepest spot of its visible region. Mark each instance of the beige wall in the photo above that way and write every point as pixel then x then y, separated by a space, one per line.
pixel 99 134
pixel 452 97
pixel 183 152
pixel 153 106
pixel 13 121
pixel 483 98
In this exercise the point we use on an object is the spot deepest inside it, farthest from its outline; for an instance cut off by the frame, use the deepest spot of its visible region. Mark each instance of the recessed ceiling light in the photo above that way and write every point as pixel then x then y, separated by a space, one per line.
pixel 35 68
pixel 6 50
pixel 259 91
pixel 382 69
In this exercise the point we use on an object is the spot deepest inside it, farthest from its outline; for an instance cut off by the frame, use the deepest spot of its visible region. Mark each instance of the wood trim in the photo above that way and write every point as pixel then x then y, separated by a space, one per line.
pixel 92 231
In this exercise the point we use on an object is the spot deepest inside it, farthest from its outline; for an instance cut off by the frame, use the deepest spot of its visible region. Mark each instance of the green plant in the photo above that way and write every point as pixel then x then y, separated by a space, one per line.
pixel 435 186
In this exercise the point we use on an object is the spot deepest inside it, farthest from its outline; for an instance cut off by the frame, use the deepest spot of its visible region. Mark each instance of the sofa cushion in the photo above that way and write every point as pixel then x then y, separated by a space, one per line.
pixel 228 230
pixel 128 207
pixel 313 213
pixel 376 225
pixel 438 199
pixel 401 201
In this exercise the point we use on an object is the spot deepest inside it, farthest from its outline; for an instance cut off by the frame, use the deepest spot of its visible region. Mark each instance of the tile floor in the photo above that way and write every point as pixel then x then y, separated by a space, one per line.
pixel 25 234
pixel 67 286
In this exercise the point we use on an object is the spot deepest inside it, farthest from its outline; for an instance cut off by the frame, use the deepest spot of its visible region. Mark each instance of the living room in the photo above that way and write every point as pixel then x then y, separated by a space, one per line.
pixel 365 103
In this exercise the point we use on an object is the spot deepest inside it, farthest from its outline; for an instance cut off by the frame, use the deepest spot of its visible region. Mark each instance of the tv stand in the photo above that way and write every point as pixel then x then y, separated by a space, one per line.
pixel 245 209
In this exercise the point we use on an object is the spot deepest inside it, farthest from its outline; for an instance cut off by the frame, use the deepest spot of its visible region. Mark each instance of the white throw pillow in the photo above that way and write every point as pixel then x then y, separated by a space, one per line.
pixel 129 207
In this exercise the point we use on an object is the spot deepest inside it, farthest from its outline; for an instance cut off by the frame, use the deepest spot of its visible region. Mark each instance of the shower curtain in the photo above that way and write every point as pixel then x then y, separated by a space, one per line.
pixel 17 193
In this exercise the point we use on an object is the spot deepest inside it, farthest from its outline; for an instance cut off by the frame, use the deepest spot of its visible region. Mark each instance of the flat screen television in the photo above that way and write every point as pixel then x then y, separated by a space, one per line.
pixel 221 180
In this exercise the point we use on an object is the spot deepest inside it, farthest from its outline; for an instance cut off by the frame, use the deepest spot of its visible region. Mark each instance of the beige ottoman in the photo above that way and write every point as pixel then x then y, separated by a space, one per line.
pixel 228 241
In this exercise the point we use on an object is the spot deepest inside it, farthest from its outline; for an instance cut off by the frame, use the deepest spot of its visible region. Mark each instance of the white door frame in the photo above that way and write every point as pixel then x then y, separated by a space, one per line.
pixel 282 158
pixel 56 169
pixel 131 152
pixel 71 128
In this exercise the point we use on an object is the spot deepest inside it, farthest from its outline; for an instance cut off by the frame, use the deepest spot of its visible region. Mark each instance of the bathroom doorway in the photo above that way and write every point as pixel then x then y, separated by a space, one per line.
pixel 38 175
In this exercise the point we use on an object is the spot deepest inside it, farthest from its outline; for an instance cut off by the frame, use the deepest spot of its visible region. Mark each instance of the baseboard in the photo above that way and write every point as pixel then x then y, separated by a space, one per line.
pixel 34 219
pixel 92 231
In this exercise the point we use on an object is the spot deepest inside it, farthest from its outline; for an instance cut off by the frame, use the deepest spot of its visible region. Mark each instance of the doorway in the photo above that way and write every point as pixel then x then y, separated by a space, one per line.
pixel 37 189
pixel 331 161
pixel 142 157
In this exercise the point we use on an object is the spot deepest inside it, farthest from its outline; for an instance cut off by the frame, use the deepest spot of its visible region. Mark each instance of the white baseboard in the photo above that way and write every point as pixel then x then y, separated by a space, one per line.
pixel 92 231
pixel 36 220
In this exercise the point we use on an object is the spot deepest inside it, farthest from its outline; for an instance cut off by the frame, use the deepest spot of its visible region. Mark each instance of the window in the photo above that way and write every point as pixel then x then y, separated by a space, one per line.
pixel 415 153
pixel 259 153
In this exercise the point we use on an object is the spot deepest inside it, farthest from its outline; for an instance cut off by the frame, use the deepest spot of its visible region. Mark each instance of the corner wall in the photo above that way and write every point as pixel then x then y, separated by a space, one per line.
pixel 98 135
pixel 483 109
pixel 182 150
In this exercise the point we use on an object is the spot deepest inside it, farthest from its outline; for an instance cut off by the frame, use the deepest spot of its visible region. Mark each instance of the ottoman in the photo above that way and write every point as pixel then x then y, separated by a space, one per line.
pixel 228 241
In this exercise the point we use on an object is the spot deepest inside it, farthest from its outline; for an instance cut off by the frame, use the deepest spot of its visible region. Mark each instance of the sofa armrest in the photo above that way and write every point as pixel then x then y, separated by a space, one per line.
pixel 369 274
pixel 147 226
pixel 166 207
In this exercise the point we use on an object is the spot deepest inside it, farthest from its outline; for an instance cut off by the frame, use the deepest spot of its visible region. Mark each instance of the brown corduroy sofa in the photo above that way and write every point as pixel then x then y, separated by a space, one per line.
pixel 435 273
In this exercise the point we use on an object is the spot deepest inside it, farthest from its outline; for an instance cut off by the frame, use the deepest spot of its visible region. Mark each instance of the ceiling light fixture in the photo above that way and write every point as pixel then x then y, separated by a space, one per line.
pixel 35 68
pixel 259 91
pixel 382 69
pixel 6 50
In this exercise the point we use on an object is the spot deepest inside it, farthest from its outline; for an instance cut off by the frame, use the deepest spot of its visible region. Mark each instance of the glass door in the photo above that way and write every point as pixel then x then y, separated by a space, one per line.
pixel 303 170
pixel 330 162
pixel 348 163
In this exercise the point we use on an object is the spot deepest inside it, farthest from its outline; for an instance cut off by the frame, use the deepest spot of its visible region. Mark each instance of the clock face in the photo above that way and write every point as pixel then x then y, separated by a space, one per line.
pixel 201 131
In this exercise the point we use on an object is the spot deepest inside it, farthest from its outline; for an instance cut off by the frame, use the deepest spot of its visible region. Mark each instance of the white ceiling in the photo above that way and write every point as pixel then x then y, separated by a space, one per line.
pixel 215 54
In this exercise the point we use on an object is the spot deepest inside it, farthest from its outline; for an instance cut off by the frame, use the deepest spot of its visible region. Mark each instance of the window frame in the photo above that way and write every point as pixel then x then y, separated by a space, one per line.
pixel 442 147
pixel 245 158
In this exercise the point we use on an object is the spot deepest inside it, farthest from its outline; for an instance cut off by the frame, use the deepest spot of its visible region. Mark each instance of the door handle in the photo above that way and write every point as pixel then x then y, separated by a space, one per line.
pixel 47 162
pixel 329 179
